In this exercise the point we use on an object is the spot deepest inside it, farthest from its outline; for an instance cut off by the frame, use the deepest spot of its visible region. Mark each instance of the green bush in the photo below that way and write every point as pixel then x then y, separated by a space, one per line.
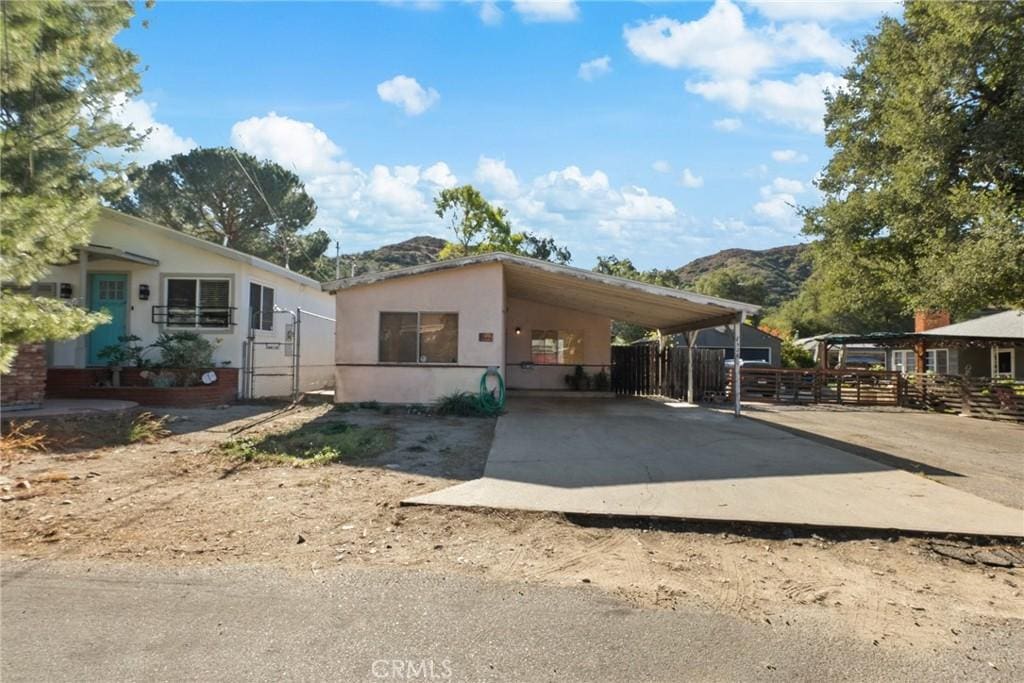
pixel 126 353
pixel 186 351
pixel 465 404
pixel 794 356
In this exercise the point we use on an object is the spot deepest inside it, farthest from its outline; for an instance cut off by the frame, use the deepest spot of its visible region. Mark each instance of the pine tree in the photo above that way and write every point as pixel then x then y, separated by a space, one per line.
pixel 61 75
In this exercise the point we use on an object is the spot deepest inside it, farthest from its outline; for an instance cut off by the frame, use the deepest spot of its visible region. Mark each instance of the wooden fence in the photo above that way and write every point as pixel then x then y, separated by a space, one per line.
pixel 641 370
pixel 997 399
pixel 844 387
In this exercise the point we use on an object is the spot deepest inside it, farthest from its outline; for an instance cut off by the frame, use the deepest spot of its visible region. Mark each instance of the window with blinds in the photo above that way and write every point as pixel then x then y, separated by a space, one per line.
pixel 199 302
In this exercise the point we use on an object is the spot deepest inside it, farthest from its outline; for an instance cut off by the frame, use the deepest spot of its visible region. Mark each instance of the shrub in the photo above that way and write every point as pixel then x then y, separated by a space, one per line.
pixel 126 353
pixel 465 404
pixel 578 380
pixel 794 356
pixel 188 351
pixel 601 381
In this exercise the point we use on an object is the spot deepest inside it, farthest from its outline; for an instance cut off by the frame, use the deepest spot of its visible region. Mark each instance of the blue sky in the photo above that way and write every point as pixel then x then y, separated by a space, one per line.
pixel 655 131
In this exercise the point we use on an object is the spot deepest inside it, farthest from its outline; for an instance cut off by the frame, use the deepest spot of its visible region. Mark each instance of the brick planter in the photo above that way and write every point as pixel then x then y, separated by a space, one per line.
pixel 25 385
pixel 85 383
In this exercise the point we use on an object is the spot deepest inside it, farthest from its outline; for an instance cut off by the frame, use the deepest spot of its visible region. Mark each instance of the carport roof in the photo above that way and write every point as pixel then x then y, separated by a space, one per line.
pixel 663 308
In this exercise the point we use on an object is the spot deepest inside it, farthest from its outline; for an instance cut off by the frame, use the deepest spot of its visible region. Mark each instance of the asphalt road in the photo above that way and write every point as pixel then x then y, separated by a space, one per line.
pixel 72 622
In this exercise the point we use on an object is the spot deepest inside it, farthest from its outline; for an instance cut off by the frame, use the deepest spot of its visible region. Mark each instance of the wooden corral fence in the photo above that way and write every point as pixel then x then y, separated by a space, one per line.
pixel 996 399
pixel 641 370
pixel 841 386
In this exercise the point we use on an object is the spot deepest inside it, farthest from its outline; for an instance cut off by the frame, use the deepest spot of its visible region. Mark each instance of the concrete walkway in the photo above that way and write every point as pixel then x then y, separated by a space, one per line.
pixel 647 458
pixel 70 407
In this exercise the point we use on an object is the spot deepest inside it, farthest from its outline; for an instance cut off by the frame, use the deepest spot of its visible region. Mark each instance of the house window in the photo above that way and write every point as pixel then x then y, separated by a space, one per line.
pixel 1002 363
pixel 418 338
pixel 935 361
pixel 750 353
pixel 261 307
pixel 556 347
pixel 904 361
pixel 199 302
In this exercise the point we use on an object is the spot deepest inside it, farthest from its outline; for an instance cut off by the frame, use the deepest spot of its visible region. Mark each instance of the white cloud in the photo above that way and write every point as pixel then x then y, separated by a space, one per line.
pixel 490 13
pixel 662 166
pixel 439 174
pixel 799 103
pixel 499 177
pixel 161 140
pixel 721 44
pixel 788 156
pixel 825 10
pixel 787 185
pixel 595 68
pixel 689 179
pixel 297 145
pixel 778 202
pixel 640 205
pixel 547 10
pixel 408 94
pixel 727 125
pixel 729 58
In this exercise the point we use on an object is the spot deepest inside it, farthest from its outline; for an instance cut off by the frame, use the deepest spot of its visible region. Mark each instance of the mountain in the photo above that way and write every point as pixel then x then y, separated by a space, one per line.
pixel 783 269
pixel 411 252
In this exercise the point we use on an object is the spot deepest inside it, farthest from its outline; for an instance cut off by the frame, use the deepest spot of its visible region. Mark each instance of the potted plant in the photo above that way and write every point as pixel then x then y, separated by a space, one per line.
pixel 126 353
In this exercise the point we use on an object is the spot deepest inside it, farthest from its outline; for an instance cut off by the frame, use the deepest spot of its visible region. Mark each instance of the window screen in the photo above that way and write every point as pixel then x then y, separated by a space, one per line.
pixel 398 338
pixel 214 299
pixel 439 337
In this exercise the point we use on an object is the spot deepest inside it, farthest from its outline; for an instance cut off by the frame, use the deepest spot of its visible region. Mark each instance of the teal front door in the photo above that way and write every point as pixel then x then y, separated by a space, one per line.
pixel 107 292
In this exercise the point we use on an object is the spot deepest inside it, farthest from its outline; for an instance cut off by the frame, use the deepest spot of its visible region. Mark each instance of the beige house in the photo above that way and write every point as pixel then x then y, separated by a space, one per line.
pixel 412 335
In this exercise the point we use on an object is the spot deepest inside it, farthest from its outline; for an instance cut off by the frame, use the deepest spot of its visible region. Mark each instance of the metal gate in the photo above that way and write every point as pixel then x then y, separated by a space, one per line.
pixel 643 370
pixel 265 358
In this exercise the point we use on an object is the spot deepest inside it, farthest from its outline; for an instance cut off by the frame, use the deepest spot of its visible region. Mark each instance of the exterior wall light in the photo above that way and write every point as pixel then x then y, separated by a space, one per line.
pixel 65 290
pixel 143 292
pixel 519 330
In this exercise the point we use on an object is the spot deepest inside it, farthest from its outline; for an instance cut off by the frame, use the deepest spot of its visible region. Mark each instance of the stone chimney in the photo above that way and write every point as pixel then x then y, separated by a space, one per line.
pixel 925 320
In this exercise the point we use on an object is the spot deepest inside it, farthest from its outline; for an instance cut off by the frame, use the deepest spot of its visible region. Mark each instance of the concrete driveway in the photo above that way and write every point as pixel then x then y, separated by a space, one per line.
pixel 654 459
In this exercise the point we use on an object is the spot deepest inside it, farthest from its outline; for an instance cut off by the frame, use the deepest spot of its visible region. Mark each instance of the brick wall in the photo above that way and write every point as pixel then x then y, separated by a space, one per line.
pixel 25 385
pixel 84 383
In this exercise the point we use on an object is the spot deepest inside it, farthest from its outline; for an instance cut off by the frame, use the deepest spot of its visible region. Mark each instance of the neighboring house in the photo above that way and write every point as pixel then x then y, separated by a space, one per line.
pixel 412 335
pixel 755 344
pixel 988 346
pixel 153 279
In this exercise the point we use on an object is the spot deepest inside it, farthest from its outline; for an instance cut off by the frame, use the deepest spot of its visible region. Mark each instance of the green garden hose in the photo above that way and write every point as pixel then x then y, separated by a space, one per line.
pixel 488 399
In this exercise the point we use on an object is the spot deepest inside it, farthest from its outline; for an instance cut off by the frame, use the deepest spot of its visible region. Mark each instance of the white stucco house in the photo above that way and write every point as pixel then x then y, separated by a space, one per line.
pixel 414 334
pixel 152 279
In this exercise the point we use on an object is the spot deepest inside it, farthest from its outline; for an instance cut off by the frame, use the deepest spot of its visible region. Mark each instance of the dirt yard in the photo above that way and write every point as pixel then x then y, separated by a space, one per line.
pixel 185 500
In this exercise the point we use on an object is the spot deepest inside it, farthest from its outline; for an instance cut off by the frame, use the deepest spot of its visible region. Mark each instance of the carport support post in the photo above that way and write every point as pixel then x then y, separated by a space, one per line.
pixel 736 363
pixel 691 341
